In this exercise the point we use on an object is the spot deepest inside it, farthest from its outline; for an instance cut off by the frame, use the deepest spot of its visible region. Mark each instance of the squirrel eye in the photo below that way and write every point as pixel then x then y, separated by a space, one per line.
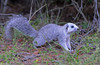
pixel 72 26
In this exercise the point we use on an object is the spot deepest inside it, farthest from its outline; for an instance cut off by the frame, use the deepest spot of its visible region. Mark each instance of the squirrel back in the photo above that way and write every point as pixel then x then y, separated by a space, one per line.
pixel 52 32
pixel 21 24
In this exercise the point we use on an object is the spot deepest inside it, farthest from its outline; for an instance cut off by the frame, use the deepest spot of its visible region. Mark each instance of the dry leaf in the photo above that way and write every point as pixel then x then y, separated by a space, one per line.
pixel 36 53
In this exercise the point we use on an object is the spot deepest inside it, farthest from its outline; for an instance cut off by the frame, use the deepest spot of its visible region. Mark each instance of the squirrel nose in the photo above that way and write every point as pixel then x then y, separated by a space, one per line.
pixel 77 28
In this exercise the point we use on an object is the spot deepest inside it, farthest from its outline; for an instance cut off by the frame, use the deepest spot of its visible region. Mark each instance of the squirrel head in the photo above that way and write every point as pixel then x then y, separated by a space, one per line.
pixel 70 27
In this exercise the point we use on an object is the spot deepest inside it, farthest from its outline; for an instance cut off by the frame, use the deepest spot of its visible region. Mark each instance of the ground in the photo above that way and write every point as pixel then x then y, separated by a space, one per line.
pixel 21 52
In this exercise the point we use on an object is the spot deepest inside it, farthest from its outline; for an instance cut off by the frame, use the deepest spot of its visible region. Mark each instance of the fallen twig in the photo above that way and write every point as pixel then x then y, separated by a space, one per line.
pixel 30 57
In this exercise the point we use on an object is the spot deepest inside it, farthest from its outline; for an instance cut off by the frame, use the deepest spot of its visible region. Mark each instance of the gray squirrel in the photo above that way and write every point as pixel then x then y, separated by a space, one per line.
pixel 46 34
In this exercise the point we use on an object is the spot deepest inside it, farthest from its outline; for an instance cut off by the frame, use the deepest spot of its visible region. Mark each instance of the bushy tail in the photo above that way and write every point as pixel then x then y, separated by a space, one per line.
pixel 21 24
pixel 8 32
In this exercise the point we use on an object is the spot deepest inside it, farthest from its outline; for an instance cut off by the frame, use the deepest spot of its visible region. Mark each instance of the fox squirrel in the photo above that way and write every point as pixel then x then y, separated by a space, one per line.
pixel 46 34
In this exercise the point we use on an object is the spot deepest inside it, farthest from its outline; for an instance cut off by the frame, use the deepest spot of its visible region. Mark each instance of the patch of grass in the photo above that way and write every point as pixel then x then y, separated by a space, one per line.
pixel 84 25
pixel 8 55
pixel 89 54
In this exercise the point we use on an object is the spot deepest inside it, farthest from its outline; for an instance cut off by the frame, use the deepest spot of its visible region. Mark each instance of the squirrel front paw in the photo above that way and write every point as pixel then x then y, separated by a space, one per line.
pixel 71 51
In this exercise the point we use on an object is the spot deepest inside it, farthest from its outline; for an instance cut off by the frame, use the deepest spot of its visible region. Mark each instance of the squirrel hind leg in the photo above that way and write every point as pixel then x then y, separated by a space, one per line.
pixel 39 41
pixel 9 32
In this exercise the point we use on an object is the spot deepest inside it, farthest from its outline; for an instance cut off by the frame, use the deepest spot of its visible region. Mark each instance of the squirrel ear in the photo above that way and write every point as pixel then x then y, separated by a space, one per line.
pixel 66 26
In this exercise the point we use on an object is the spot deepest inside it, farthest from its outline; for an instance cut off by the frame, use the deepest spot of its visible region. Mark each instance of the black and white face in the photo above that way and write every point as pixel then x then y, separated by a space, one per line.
pixel 71 27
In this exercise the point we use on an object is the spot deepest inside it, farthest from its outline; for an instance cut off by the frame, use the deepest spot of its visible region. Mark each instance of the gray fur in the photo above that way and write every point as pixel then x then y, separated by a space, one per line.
pixel 46 34
pixel 52 32
pixel 21 24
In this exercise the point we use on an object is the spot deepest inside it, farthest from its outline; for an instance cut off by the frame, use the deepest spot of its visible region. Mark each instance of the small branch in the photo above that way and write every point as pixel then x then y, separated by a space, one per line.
pixel 96 18
pixel 5 6
pixel 76 16
pixel 79 9
pixel 2 5
pixel 36 12
pixel 58 15
pixel 81 4
pixel 31 10
pixel 99 23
